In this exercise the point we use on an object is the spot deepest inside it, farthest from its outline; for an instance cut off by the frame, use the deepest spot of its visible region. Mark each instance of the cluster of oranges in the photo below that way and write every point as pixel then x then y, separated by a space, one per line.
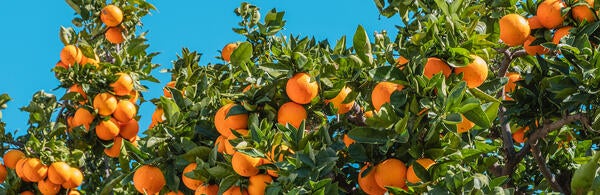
pixel 49 178
pixel 112 17
pixel 391 172
pixel 71 55
pixel 515 30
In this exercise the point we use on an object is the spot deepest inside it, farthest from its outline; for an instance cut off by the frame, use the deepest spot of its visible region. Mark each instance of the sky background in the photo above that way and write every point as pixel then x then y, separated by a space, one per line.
pixel 30 44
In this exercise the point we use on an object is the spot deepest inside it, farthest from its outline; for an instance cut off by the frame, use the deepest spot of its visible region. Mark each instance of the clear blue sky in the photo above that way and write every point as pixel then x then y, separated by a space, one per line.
pixel 30 45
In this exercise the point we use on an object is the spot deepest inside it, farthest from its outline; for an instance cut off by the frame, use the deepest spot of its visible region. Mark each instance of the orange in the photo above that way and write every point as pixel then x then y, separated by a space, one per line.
pixel 338 100
pixel 434 66
pixel 105 104
pixel 111 15
pixel 368 114
pixel 27 193
pixel 115 150
pixel 534 23
pixel 174 193
pixel 283 151
pixel 549 13
pixel 560 33
pixel 123 85
pixel 70 55
pixel 83 117
pixel 93 61
pixel 78 89
pixel 58 172
pixel 465 125
pixel 34 169
pixel 258 184
pixel 114 35
pixel 70 124
pixel 229 149
pixel 19 169
pixel 391 172
pixel 513 77
pixel 347 140
pixel 244 165
pixel 382 92
pixel 207 190
pixel 519 135
pixel 534 49
pixel 129 129
pixel 291 113
pixel 514 29
pixel 401 62
pixel 225 124
pixel 125 111
pixel 583 12
pixel 3 173
pixel 228 50
pixel 166 92
pixel 73 192
pixel 474 73
pixel 107 129
pixel 48 188
pixel 235 190
pixel 11 157
pixel 148 179
pixel 247 88
pixel 133 96
pixel 61 64
pixel 75 180
pixel 192 184
pixel 301 89
pixel 367 182
pixel 158 115
pixel 220 143
pixel 411 176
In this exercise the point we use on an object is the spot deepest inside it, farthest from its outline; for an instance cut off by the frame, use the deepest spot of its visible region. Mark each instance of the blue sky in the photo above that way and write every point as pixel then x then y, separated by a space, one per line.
pixel 30 45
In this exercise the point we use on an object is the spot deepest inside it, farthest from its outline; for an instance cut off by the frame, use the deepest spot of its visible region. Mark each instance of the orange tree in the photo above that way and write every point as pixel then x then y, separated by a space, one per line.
pixel 469 97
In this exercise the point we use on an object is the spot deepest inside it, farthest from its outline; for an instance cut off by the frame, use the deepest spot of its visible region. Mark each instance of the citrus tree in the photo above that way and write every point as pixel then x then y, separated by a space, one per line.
pixel 474 97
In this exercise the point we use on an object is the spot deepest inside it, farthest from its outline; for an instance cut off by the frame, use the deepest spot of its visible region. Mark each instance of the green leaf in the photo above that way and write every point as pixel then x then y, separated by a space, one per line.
pixel 368 135
pixel 201 152
pixel 241 54
pixel 483 96
pixel 358 153
pixel 477 116
pixel 362 45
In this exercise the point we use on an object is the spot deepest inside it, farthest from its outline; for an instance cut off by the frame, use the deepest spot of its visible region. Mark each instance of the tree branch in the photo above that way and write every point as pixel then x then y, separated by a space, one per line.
pixel 549 127
pixel 541 163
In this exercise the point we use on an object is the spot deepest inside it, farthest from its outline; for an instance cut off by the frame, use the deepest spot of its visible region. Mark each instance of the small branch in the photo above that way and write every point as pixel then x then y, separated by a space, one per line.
pixel 541 162
pixel 549 127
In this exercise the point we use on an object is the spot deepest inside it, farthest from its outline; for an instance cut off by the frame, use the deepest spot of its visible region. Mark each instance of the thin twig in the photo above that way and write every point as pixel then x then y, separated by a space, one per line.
pixel 541 162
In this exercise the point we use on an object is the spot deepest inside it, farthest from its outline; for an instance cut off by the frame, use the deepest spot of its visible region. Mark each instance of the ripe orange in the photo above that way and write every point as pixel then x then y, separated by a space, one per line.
pixel 258 184
pixel 19 169
pixel 411 176
pixel 125 111
pixel 70 55
pixel 367 182
pixel 382 92
pixel 391 172
pixel 401 62
pixel 83 117
pixel 111 15
pixel 61 64
pixel 34 169
pixel 225 124
pixel 229 149
pixel 549 13
pixel 534 23
pixel 11 157
pixel 207 190
pixel 93 61
pixel 583 12
pixel 148 179
pixel 27 193
pixel 220 143
pixel 434 66
pixel 535 49
pixel 166 92
pixel 48 188
pixel 78 89
pixel 235 190
pixel 3 173
pixel 368 114
pixel 228 50
pixel 519 135
pixel 174 193
pixel 244 165
pixel 192 184
pixel 347 140
pixel 59 172
pixel 514 29
pixel 560 33
pixel 73 192
pixel 115 150
pixel 159 116
pixel 513 77
pixel 338 100
pixel 75 180
pixel 129 129
pixel 474 73
pixel 133 96
pixel 105 103
pixel 107 129
pixel 114 35
pixel 301 89
pixel 123 85
pixel 465 125
pixel 291 113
